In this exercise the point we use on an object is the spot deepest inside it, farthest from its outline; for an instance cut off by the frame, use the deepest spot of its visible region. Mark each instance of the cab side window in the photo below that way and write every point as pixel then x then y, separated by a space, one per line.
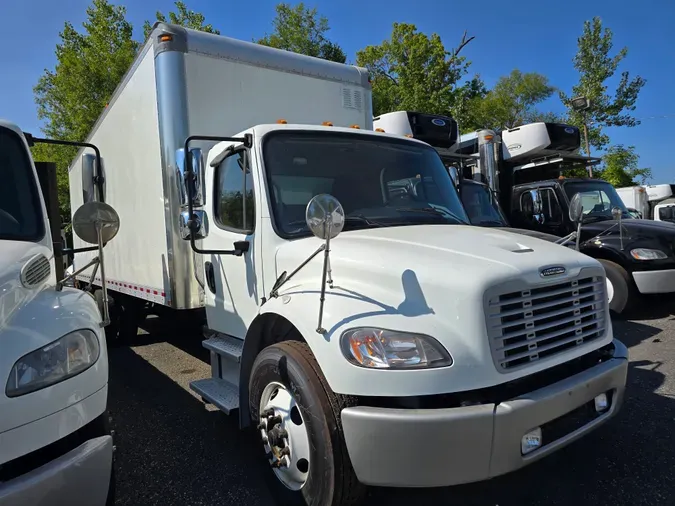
pixel 234 206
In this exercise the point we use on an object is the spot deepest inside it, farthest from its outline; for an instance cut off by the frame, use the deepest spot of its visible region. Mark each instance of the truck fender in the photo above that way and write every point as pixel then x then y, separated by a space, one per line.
pixel 277 314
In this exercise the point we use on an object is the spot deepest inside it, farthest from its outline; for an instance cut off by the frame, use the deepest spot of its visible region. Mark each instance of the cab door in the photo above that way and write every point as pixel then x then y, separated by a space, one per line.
pixel 231 287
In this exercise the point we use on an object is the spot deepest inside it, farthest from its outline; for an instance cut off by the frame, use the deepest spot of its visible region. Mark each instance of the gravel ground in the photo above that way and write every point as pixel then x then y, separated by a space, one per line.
pixel 171 450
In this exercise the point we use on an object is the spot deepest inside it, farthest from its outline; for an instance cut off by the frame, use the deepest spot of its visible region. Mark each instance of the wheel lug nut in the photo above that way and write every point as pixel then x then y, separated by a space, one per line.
pixel 274 421
pixel 285 451
pixel 262 426
pixel 282 433
pixel 268 412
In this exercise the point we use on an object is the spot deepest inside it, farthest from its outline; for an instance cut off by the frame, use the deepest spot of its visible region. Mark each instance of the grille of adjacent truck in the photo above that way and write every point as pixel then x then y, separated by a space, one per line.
pixel 532 324
pixel 36 270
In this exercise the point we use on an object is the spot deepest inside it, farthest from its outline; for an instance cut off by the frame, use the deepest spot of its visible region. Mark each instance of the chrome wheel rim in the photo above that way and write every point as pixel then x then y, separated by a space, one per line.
pixel 284 436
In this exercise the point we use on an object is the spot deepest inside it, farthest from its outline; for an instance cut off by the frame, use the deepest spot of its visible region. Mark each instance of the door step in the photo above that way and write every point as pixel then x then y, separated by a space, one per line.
pixel 225 346
pixel 218 392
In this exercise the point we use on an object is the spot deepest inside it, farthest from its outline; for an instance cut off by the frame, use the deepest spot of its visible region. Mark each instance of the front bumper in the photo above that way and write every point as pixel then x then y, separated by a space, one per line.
pixel 442 447
pixel 655 281
pixel 81 477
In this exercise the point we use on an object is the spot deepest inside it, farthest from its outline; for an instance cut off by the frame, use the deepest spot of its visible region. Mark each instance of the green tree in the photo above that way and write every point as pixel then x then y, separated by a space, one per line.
pixel 621 168
pixel 301 30
pixel 413 71
pixel 70 98
pixel 595 67
pixel 183 17
pixel 512 101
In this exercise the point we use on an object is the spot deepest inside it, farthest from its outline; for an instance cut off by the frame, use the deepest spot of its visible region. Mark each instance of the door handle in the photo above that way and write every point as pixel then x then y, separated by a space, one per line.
pixel 241 247
pixel 210 276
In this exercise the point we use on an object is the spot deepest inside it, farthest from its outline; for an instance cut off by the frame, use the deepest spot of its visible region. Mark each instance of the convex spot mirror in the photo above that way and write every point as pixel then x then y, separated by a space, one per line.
pixel 92 217
pixel 616 212
pixel 576 209
pixel 325 216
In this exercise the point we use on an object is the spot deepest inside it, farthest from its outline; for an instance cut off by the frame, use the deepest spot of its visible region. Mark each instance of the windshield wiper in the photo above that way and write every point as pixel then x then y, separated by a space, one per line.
pixel 430 210
pixel 492 222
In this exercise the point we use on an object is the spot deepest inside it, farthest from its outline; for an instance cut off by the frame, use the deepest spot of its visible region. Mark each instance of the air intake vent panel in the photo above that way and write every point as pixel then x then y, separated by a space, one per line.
pixel 36 271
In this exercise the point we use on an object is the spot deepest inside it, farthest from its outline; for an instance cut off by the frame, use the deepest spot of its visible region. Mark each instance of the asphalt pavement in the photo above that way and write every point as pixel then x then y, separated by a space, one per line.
pixel 172 450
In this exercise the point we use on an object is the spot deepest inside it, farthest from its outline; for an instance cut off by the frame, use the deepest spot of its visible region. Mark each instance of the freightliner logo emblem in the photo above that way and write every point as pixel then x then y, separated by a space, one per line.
pixel 552 271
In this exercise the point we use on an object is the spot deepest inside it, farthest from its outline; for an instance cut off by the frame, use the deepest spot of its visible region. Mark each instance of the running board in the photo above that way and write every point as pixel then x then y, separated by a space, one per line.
pixel 218 392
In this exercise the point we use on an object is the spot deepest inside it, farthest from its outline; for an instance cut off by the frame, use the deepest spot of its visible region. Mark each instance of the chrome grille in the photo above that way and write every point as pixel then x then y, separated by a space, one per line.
pixel 536 323
pixel 36 270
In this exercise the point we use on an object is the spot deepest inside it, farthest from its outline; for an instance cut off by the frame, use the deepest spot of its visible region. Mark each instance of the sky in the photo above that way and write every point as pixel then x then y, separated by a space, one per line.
pixel 530 35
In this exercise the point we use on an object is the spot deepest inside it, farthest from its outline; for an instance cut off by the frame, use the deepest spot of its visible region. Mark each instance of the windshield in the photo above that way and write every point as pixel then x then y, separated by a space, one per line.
pixel 20 209
pixel 380 182
pixel 598 199
pixel 481 206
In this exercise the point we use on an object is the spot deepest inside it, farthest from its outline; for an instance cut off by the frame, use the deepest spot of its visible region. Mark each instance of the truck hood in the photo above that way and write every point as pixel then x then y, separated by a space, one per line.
pixel 532 233
pixel 13 295
pixel 634 227
pixel 485 256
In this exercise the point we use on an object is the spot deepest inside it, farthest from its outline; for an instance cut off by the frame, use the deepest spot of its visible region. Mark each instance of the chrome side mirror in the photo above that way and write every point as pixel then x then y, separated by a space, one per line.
pixel 196 182
pixel 88 173
pixel 199 216
pixel 537 207
pixel 325 216
pixel 616 212
pixel 95 223
pixel 576 209
pixel 454 175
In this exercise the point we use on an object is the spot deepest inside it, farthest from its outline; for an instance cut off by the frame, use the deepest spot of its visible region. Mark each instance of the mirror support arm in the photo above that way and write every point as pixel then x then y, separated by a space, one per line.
pixel 98 179
pixel 193 222
pixel 61 284
pixel 275 292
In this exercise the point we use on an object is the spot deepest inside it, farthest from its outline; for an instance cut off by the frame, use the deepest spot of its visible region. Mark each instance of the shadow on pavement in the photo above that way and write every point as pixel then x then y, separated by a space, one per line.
pixel 652 307
pixel 170 449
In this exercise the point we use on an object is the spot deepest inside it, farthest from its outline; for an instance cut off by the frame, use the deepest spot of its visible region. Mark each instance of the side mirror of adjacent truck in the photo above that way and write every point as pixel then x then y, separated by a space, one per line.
pixel 195 177
pixel 576 209
pixel 616 212
pixel 95 223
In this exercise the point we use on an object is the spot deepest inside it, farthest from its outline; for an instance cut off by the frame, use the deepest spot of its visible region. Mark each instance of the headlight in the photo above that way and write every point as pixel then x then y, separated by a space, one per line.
pixel 60 360
pixel 648 254
pixel 387 349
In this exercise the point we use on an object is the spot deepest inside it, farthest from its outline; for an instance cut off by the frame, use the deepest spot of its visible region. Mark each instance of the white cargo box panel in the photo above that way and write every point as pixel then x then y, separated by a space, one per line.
pixel 184 83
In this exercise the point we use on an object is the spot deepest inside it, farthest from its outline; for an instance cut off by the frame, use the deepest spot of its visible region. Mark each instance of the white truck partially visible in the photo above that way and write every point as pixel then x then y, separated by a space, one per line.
pixel 55 442
pixel 412 336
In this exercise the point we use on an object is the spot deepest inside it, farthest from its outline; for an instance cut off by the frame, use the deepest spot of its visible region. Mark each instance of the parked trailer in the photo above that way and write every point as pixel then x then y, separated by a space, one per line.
pixel 55 441
pixel 344 293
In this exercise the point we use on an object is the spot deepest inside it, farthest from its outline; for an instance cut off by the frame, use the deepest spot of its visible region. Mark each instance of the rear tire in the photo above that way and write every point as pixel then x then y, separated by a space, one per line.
pixel 326 476
pixel 619 287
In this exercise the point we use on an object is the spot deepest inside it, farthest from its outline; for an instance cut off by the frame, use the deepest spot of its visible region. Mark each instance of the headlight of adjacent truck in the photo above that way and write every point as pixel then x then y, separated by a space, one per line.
pixel 648 254
pixel 62 359
pixel 388 349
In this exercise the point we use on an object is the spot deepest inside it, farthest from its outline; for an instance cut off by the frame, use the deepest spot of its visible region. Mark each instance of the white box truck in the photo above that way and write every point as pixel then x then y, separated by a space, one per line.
pixel 56 446
pixel 355 320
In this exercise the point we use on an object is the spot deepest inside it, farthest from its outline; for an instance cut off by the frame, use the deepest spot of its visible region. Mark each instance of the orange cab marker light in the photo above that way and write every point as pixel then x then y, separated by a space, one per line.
pixel 379 130
pixel 165 38
pixel 487 137
pixel 355 126
pixel 409 136
pixel 282 122
pixel 327 123
pixel 561 177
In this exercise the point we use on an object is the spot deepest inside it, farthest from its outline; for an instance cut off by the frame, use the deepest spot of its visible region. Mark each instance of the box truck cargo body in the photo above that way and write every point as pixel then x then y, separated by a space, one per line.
pixel 198 84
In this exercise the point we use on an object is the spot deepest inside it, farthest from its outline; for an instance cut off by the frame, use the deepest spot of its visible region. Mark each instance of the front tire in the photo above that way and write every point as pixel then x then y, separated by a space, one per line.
pixel 295 410
pixel 619 292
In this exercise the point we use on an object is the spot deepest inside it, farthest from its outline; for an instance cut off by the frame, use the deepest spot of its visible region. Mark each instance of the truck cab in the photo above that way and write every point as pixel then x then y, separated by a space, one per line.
pixel 523 168
pixel 55 439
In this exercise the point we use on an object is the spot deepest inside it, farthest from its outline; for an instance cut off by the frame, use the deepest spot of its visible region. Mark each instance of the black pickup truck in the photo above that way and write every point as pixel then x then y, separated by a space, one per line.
pixel 638 255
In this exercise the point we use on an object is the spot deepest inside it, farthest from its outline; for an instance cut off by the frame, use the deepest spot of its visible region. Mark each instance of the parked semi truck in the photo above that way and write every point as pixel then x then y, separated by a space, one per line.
pixel 522 167
pixel 252 187
pixel 55 443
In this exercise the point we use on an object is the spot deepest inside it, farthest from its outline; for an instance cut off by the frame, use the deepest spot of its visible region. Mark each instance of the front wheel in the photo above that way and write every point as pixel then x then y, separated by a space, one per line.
pixel 619 292
pixel 298 422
